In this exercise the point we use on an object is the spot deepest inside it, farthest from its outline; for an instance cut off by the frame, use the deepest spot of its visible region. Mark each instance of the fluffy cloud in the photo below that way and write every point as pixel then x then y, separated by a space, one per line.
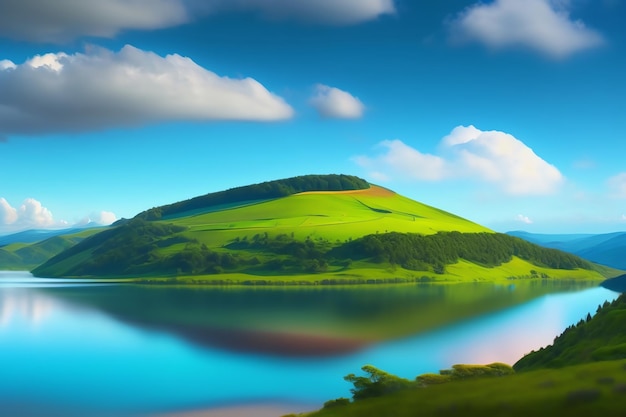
pixel 31 214
pixel 102 89
pixel 401 160
pixel 104 218
pixel 344 12
pixel 469 153
pixel 543 25
pixel 64 20
pixel 524 219
pixel 8 214
pixel 332 102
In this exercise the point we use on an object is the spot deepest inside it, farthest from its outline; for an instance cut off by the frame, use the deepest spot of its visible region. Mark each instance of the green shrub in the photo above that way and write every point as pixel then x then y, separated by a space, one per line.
pixel 377 383
pixel 425 380
pixel 337 402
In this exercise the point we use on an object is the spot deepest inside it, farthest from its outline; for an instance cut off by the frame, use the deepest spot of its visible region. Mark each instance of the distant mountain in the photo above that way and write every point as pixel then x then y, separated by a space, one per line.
pixel 310 229
pixel 38 235
pixel 22 255
pixel 607 249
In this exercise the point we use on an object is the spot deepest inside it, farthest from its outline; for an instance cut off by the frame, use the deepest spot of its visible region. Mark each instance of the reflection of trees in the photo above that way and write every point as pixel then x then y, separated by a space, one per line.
pixel 301 321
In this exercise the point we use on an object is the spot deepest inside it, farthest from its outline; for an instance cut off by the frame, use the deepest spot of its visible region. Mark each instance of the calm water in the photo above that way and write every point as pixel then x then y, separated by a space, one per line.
pixel 84 349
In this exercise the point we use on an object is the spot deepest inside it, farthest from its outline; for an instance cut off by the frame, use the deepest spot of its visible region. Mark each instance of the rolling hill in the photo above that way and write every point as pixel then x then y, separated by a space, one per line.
pixel 310 229
pixel 21 255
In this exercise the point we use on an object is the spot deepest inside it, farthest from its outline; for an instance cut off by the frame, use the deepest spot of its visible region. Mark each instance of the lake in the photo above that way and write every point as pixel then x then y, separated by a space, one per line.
pixel 71 348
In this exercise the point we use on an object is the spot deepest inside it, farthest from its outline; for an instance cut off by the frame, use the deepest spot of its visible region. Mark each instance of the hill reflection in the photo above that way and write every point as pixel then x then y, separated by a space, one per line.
pixel 301 321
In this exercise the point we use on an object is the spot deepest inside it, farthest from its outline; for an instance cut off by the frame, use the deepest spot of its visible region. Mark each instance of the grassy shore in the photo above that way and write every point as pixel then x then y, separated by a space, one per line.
pixel 595 389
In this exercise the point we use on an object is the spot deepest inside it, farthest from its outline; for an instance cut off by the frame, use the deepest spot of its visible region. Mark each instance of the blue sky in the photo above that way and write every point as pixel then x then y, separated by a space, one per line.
pixel 506 112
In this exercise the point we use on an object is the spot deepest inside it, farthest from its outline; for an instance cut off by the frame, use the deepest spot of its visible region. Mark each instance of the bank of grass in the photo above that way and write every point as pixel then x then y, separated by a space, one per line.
pixel 595 389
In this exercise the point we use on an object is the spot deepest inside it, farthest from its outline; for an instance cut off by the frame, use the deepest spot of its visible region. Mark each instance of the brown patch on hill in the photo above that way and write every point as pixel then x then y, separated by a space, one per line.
pixel 374 191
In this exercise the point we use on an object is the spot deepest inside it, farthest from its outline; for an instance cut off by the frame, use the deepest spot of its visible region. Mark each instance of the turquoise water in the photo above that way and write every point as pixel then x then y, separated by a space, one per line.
pixel 80 349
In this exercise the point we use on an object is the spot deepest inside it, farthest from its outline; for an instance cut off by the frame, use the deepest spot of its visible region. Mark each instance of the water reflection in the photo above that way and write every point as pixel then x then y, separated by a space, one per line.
pixel 25 306
pixel 302 321
pixel 125 350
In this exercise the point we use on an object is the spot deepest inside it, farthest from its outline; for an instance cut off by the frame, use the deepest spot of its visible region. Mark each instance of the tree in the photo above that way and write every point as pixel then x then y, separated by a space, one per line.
pixel 377 383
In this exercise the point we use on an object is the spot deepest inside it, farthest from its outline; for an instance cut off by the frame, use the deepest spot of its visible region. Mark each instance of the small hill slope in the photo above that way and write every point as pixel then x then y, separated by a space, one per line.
pixel 600 338
pixel 256 192
pixel 22 256
pixel 318 232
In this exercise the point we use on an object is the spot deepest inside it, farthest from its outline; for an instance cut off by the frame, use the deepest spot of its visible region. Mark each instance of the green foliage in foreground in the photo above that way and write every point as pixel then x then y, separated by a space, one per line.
pixel 378 382
pixel 590 380
pixel 600 338
pixel 596 389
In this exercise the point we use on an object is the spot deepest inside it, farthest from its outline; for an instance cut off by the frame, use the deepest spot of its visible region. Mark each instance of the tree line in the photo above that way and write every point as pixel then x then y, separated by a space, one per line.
pixel 140 247
pixel 261 191
pixel 424 252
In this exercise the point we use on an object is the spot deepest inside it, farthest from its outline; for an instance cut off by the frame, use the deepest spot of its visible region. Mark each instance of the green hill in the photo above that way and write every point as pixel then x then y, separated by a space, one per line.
pixel 320 229
pixel 598 339
pixel 24 256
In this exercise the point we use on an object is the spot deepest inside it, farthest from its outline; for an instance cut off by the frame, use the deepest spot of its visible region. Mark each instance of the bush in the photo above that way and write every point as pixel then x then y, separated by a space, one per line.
pixel 337 402
pixel 377 383
pixel 425 380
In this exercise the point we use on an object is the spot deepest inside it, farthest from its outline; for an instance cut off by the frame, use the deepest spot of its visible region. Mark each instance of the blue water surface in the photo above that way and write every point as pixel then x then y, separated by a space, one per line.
pixel 62 358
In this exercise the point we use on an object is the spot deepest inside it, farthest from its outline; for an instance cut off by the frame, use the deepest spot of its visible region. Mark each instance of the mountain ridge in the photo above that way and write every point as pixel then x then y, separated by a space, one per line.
pixel 606 248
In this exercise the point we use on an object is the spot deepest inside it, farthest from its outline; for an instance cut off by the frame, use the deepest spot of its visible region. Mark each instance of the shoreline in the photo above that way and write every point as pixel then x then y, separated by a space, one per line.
pixel 245 410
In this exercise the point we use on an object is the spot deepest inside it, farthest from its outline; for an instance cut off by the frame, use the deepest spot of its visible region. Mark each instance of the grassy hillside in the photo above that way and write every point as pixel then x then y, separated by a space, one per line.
pixel 307 237
pixel 25 256
pixel 255 193
pixel 590 380
pixel 598 339
pixel 597 389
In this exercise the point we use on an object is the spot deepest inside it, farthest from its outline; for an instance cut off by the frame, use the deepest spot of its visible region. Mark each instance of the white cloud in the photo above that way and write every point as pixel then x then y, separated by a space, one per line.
pixel 31 214
pixel 64 20
pixel 8 214
pixel 524 219
pixel 334 103
pixel 542 25
pixel 617 186
pixel 469 153
pixel 344 12
pixel 5 64
pixel 103 218
pixel 102 89
pixel 401 160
